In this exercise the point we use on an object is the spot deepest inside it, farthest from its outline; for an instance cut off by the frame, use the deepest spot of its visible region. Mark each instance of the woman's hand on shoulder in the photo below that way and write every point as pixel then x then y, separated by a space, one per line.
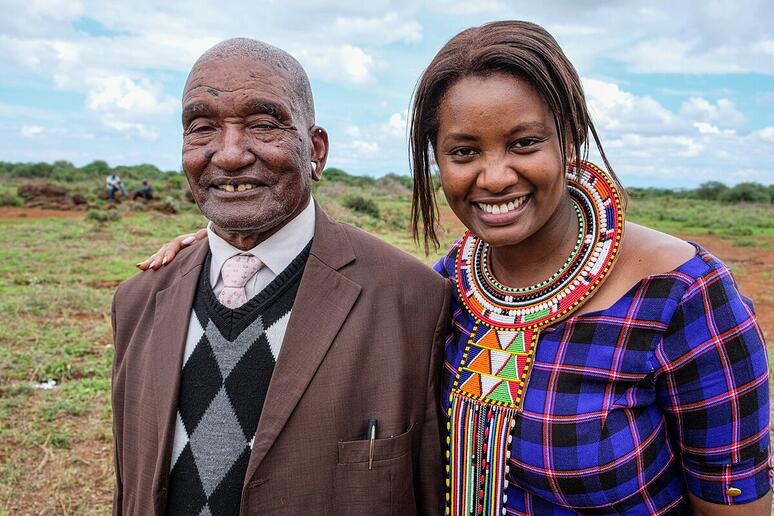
pixel 167 252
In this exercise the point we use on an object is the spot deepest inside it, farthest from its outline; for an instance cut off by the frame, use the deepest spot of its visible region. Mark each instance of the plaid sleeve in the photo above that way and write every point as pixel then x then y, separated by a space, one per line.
pixel 713 386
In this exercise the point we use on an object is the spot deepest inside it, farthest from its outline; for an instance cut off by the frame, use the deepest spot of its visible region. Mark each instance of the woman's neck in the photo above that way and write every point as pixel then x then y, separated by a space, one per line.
pixel 534 259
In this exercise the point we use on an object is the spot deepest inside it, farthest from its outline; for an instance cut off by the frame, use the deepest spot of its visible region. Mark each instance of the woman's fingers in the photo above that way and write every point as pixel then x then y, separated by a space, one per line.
pixel 168 251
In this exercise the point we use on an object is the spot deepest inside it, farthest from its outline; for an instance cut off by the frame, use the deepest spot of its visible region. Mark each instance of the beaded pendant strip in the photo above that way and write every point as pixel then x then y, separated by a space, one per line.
pixel 492 377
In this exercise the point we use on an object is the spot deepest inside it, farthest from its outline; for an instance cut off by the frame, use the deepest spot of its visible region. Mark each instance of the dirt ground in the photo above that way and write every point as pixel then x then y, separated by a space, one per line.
pixel 36 213
pixel 754 272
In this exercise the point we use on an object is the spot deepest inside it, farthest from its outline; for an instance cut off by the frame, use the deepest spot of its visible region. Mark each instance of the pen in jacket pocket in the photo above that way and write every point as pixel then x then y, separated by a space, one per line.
pixel 371 434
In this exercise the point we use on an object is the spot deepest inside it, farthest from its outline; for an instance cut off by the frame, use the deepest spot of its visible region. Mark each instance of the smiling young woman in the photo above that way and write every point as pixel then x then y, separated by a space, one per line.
pixel 594 365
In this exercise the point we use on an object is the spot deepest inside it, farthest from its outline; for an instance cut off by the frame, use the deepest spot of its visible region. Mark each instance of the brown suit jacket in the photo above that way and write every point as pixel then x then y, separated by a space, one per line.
pixel 365 340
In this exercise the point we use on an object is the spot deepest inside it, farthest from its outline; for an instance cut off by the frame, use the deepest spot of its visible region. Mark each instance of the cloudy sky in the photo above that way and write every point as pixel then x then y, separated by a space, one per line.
pixel 681 92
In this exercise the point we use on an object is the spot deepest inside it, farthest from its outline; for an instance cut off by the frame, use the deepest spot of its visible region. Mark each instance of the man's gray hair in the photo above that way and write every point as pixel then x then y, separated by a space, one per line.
pixel 260 51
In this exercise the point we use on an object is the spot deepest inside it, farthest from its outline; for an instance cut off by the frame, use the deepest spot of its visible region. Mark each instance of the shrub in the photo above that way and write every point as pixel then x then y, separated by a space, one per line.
pixel 9 199
pixel 362 205
pixel 103 216
pixel 746 192
pixel 711 190
pixel 337 175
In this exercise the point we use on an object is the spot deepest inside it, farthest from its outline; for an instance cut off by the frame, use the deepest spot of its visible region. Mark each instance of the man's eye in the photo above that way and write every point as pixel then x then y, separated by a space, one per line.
pixel 200 128
pixel 264 125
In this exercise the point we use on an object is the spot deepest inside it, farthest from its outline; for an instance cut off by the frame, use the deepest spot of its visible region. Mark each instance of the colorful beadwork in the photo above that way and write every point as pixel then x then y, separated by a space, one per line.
pixel 492 377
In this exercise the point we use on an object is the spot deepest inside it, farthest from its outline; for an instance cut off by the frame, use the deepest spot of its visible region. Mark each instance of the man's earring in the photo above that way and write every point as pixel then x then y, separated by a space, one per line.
pixel 314 165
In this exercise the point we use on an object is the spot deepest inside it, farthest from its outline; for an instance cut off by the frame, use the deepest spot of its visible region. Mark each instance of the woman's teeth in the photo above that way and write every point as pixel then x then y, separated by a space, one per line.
pixel 502 208
pixel 238 188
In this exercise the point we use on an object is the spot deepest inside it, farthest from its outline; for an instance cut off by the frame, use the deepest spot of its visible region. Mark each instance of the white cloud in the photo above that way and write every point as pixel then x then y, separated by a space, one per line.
pixel 123 94
pixel 395 125
pixel 467 8
pixel 617 111
pixel 352 131
pixel 31 131
pixel 721 112
pixel 766 134
pixel 345 63
pixel 705 128
pixel 131 128
pixel 383 30
pixel 364 148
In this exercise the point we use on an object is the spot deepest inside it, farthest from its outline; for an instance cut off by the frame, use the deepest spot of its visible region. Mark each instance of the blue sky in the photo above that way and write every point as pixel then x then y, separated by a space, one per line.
pixel 681 92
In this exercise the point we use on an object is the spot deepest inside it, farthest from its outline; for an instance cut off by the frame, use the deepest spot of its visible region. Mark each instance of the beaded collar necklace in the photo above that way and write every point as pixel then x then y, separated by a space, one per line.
pixel 488 389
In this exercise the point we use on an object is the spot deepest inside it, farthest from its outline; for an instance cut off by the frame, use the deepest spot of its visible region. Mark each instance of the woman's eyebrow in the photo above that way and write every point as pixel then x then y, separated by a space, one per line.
pixel 528 126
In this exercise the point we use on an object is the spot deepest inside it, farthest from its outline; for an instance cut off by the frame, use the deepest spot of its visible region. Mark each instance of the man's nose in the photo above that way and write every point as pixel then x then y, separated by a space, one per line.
pixel 496 175
pixel 232 152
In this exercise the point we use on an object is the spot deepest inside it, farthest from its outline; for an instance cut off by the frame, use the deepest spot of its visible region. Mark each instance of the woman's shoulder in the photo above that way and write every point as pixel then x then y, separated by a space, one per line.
pixel 647 252
pixel 659 265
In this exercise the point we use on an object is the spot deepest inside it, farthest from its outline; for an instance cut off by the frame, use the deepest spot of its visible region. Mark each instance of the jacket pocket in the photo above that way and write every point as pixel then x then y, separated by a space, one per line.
pixel 387 488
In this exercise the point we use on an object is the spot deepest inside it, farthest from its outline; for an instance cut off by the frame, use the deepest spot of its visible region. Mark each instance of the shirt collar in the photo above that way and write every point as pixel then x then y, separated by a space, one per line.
pixel 276 252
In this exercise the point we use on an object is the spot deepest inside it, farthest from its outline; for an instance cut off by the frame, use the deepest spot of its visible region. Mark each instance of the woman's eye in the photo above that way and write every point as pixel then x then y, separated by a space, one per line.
pixel 525 142
pixel 462 152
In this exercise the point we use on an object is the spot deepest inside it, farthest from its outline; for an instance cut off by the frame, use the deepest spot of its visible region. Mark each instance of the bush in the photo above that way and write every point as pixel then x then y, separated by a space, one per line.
pixel 711 190
pixel 9 199
pixel 746 192
pixel 337 175
pixel 362 205
pixel 103 216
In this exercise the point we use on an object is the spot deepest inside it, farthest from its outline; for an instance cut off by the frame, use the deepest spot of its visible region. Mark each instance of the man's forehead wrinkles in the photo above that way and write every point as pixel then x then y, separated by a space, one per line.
pixel 220 89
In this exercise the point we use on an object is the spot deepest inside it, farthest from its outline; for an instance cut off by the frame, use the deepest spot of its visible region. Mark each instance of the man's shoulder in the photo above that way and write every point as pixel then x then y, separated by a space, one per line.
pixel 147 283
pixel 383 258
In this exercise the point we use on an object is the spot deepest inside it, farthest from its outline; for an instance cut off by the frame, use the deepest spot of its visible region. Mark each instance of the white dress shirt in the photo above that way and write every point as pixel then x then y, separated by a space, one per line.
pixel 276 252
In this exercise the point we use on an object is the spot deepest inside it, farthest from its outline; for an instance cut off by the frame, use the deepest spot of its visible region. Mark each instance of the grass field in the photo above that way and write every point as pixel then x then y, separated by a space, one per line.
pixel 58 272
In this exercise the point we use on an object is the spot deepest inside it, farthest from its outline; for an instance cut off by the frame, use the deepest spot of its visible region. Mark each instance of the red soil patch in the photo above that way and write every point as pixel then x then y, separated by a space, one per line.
pixel 753 270
pixel 37 213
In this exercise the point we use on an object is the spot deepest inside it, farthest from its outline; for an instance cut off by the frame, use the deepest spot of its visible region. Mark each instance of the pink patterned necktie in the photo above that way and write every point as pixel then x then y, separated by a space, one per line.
pixel 236 272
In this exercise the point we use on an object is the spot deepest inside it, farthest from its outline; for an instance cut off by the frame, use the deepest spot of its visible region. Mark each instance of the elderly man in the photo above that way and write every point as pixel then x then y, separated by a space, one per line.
pixel 287 364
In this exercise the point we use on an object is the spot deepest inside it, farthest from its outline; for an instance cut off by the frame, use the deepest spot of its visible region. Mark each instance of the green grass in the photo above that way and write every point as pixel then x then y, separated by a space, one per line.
pixel 751 225
pixel 57 278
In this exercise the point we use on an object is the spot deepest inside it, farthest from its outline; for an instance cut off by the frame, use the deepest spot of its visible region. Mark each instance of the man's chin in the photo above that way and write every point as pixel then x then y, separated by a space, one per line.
pixel 241 226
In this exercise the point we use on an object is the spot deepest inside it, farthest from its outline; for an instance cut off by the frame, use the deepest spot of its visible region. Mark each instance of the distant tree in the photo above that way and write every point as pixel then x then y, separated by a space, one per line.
pixel 747 192
pixel 336 175
pixel 711 190
pixel 96 168
pixel 406 181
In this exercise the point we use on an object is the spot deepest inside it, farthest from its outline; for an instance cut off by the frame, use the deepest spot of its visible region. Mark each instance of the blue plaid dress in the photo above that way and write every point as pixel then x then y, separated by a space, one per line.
pixel 629 408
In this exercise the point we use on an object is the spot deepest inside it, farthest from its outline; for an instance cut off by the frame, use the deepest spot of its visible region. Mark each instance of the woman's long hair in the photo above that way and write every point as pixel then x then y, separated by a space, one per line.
pixel 519 48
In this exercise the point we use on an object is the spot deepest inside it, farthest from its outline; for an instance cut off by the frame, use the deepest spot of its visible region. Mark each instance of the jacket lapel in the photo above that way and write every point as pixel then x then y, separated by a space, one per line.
pixel 168 337
pixel 313 324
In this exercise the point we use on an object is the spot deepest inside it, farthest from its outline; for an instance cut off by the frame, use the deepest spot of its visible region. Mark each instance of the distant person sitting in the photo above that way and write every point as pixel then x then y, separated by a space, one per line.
pixel 146 192
pixel 114 183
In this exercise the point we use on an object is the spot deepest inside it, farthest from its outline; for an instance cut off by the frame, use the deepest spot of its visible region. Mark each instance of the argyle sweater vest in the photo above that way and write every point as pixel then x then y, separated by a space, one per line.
pixel 222 390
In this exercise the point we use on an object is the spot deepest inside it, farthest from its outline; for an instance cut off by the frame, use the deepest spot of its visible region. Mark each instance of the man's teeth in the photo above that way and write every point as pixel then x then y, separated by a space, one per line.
pixel 239 188
pixel 502 208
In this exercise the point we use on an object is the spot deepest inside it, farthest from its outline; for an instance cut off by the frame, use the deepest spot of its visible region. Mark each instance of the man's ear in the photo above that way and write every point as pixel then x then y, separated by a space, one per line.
pixel 318 137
